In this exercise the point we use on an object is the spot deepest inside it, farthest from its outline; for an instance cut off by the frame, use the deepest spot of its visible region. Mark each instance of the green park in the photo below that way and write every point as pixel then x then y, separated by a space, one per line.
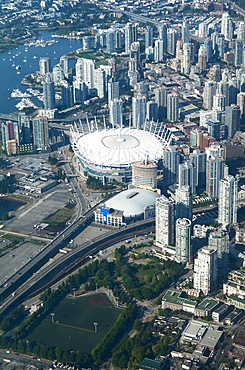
pixel 77 323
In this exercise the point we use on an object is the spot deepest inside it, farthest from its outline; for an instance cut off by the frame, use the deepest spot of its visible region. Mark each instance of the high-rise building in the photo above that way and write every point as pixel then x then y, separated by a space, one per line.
pixel 79 69
pixel 241 31
pixel 232 120
pixel 161 100
pixel 162 35
pixel 88 72
pixel 64 62
pixel 151 111
pixel 238 53
pixel 219 101
pixel 148 36
pixel 185 32
pixel 208 92
pixel 202 58
pixel 134 57
pixel 116 112
pixel 183 202
pixel 138 111
pixel 223 88
pixel 198 159
pixel 25 128
pixel 144 174
pixel 130 36
pixel 234 89
pixel 215 73
pixel 113 88
pixel 171 161
pixel 58 74
pixel 44 65
pixel 165 225
pixel 227 206
pixel 209 49
pixel 202 30
pixel 241 104
pixel 80 91
pixel 214 128
pixel 205 270
pixel 100 82
pixel 172 37
pixel 227 27
pixel 159 51
pixel 185 59
pixel 48 93
pixel 220 240
pixel 67 94
pixel 186 176
pixel 172 107
pixel 40 133
pixel 183 240
pixel 110 42
pixel 214 172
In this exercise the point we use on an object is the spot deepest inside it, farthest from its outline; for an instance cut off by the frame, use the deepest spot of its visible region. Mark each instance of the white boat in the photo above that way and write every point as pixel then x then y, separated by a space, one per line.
pixel 18 67
pixel 16 93
pixel 25 103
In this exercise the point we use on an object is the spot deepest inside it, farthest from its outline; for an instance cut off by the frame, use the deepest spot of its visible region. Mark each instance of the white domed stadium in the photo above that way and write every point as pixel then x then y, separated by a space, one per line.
pixel 110 152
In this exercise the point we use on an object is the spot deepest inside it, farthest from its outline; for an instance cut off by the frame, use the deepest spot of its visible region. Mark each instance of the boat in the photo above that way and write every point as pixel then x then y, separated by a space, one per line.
pixel 35 57
pixel 25 103
pixel 25 60
pixel 16 93
pixel 18 67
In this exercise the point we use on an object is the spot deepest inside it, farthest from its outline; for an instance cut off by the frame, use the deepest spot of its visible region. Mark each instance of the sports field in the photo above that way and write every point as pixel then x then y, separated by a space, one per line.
pixel 73 326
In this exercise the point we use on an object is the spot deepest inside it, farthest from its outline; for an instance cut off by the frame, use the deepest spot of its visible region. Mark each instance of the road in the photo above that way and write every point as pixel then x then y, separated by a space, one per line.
pixel 34 282
pixel 24 359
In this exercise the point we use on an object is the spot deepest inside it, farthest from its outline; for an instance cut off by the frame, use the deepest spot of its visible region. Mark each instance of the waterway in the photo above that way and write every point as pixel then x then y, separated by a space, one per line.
pixel 27 57
pixel 8 205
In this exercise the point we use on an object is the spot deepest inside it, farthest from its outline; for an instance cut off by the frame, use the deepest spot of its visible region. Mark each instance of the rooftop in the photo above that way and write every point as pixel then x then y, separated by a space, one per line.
pixel 174 296
pixel 132 201
pixel 207 304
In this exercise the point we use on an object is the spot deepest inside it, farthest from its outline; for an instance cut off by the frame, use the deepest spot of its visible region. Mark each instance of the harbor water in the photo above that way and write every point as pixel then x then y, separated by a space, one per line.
pixel 24 60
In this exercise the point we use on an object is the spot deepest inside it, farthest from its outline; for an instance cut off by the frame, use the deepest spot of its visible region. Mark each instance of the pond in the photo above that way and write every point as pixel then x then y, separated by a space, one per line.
pixel 8 204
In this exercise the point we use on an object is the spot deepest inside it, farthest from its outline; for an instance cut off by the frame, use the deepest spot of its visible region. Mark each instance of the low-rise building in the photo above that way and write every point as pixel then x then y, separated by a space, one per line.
pixel 202 334
pixel 220 312
pixel 175 300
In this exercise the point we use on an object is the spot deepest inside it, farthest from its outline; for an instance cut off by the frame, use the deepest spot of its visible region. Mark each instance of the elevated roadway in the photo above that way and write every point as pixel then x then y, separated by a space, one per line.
pixel 40 280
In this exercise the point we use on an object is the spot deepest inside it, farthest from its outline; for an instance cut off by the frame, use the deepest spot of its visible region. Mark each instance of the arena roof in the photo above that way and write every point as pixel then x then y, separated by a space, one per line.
pixel 132 201
pixel 118 148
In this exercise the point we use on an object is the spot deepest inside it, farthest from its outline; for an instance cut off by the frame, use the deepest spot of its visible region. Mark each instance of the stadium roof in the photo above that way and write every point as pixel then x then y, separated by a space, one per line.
pixel 132 201
pixel 119 148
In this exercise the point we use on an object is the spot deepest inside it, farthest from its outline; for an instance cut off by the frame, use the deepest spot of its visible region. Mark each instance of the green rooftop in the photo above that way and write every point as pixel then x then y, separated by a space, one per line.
pixel 149 364
pixel 207 304
pixel 174 296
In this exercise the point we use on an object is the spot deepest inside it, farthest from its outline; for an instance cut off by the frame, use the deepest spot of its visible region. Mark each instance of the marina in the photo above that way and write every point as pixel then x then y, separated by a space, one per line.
pixel 25 61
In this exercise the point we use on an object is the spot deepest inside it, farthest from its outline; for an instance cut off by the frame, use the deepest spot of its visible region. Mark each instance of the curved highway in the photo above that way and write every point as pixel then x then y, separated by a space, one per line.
pixel 58 269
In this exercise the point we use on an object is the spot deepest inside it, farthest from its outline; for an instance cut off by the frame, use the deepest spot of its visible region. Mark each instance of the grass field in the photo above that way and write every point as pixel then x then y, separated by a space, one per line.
pixel 73 327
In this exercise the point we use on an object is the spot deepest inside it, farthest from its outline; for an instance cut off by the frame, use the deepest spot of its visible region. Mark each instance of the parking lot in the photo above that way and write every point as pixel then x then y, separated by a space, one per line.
pixel 15 258
pixel 40 209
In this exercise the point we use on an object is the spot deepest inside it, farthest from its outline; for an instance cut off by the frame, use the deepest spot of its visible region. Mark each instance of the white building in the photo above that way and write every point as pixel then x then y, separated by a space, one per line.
pixel 183 240
pixel 165 225
pixel 220 240
pixel 138 111
pixel 183 202
pixel 227 207
pixel 205 270
pixel 116 112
